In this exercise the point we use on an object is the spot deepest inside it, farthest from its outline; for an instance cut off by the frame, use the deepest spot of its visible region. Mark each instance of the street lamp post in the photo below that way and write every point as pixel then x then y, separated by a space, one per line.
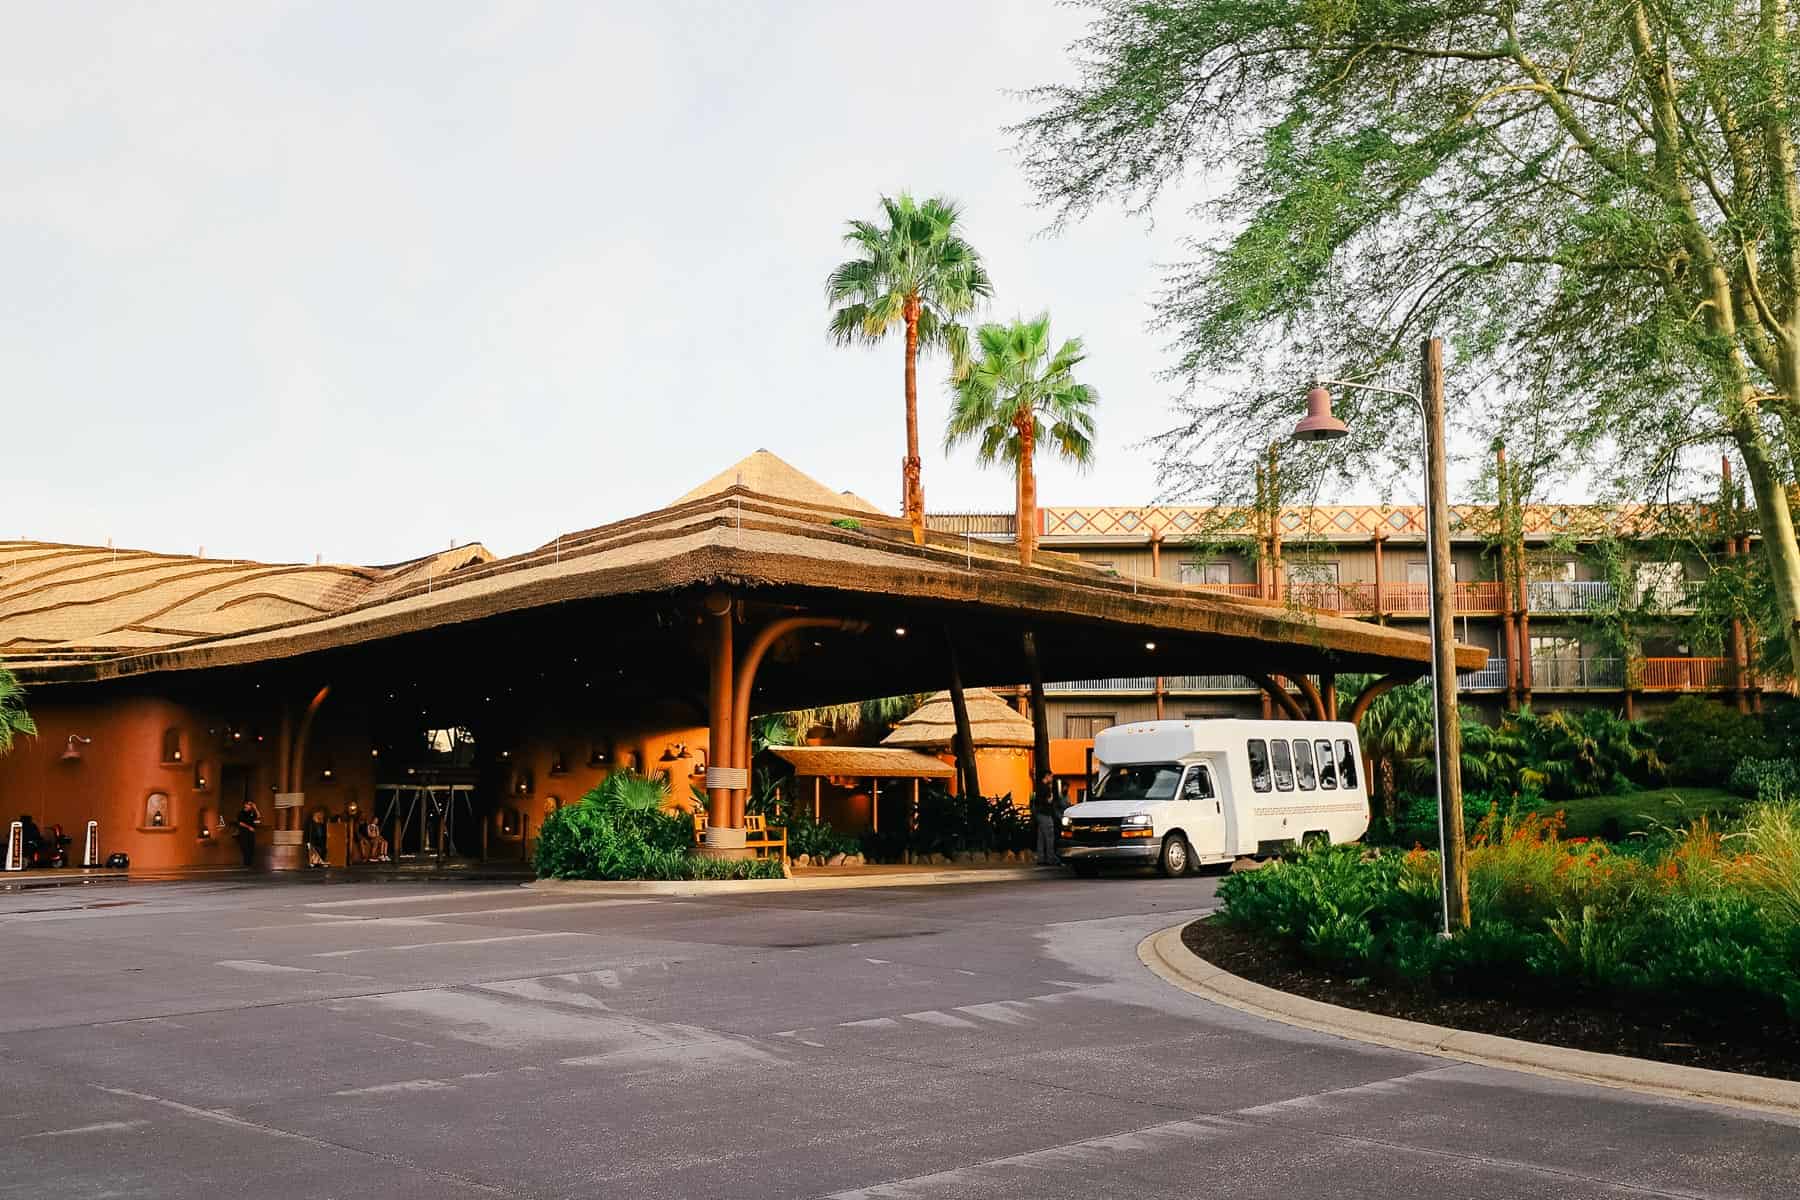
pixel 1320 425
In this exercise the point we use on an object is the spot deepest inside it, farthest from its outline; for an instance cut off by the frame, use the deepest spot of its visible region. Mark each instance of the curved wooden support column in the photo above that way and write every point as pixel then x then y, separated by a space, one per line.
pixel 744 680
pixel 1279 694
pixel 296 778
pixel 1313 699
pixel 1375 691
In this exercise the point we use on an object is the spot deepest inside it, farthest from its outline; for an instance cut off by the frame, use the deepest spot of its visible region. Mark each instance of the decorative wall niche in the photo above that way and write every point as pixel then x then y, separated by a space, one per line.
pixel 172 752
pixel 159 813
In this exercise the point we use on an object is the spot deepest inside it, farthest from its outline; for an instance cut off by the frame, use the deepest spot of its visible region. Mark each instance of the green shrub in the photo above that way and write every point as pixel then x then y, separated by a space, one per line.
pixel 1769 780
pixel 815 838
pixel 1688 919
pixel 619 830
pixel 850 523
pixel 1702 740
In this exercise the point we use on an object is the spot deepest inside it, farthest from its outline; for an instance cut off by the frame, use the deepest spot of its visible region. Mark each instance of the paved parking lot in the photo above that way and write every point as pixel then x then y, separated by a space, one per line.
pixel 274 1039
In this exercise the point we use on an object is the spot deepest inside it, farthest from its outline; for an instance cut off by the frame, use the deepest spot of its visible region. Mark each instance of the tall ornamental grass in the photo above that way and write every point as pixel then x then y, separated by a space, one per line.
pixel 1701 919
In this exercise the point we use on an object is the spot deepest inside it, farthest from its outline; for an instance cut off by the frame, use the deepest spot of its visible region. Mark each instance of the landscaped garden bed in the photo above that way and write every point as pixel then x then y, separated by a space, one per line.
pixel 1682 947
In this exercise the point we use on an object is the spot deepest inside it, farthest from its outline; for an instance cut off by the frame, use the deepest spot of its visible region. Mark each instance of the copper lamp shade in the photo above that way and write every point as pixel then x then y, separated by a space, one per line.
pixel 1318 425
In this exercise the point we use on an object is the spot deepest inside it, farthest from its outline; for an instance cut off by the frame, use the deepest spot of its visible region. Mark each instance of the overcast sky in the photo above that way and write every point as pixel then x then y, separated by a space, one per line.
pixel 359 279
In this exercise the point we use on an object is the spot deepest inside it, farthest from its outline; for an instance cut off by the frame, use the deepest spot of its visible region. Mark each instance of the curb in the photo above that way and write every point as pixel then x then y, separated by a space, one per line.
pixel 1166 956
pixel 717 887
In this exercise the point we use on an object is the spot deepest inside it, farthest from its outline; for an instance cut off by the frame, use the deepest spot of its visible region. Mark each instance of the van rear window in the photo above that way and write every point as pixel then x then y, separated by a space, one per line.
pixel 1347 762
pixel 1327 764
pixel 1303 765
pixel 1284 765
pixel 1259 764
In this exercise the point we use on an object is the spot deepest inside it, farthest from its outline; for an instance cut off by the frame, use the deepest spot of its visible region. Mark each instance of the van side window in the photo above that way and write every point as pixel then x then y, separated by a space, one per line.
pixel 1327 767
pixel 1347 762
pixel 1197 785
pixel 1284 765
pixel 1259 764
pixel 1303 765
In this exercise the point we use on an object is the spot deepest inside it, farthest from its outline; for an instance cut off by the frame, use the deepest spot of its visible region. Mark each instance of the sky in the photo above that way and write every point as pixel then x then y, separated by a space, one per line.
pixel 363 280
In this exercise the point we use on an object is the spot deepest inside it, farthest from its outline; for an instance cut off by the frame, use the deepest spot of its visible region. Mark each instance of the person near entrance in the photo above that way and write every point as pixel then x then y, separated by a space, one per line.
pixel 371 847
pixel 316 839
pixel 248 818
pixel 1047 807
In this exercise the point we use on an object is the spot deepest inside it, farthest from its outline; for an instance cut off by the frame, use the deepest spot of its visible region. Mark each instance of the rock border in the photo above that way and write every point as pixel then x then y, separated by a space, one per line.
pixel 1167 956
pixel 716 887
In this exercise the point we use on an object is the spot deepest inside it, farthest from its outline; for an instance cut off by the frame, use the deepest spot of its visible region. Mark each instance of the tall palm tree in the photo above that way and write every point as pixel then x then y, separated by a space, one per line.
pixel 914 271
pixel 14 720
pixel 1017 396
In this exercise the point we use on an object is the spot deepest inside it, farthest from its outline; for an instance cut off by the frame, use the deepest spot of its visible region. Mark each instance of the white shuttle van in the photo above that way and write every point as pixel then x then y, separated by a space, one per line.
pixel 1182 793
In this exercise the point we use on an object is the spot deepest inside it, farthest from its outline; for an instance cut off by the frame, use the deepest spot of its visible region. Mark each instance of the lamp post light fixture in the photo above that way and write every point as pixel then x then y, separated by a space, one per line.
pixel 1319 425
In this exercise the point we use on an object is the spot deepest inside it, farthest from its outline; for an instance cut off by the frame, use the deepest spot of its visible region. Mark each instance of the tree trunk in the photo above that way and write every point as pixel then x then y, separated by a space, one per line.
pixel 1779 547
pixel 1027 537
pixel 965 740
pixel 912 482
pixel 1040 719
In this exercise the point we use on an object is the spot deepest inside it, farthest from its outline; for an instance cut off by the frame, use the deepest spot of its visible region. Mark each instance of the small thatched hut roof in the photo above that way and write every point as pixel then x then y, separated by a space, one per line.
pixel 865 762
pixel 932 726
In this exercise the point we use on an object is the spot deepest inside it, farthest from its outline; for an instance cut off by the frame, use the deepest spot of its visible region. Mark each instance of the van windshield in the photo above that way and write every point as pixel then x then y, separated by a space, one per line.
pixel 1139 781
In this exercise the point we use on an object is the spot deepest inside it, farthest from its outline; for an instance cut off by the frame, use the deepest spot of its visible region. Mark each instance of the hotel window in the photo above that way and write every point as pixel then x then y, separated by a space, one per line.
pixel 1207 574
pixel 1659 584
pixel 1419 571
pixel 1086 725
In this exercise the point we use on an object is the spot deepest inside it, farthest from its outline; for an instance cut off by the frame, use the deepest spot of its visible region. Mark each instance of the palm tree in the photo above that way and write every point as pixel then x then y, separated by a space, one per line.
pixel 14 720
pixel 1396 729
pixel 915 271
pixel 1017 396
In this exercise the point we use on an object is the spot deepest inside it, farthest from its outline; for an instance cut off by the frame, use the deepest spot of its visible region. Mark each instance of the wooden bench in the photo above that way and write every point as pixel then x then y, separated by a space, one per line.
pixel 762 839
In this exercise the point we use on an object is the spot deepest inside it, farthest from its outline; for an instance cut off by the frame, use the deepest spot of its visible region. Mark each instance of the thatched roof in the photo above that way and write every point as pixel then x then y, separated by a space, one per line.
pixel 992 722
pixel 768 475
pixel 864 762
pixel 74 613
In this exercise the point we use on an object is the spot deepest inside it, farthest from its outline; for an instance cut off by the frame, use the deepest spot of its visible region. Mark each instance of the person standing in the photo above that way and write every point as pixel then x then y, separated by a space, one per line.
pixel 1046 811
pixel 317 838
pixel 248 818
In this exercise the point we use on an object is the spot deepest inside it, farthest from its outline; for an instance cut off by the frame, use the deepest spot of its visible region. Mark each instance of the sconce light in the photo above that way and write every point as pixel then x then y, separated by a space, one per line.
pixel 523 784
pixel 72 752
pixel 597 757
pixel 374 751
pixel 326 773
pixel 557 766
pixel 199 777
pixel 506 754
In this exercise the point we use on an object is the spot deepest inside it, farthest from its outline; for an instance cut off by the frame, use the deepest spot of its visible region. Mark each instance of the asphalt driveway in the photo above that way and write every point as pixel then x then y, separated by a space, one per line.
pixel 271 1039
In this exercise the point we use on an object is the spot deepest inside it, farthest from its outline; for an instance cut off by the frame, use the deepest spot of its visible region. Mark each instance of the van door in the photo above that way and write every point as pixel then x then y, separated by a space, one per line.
pixel 1203 812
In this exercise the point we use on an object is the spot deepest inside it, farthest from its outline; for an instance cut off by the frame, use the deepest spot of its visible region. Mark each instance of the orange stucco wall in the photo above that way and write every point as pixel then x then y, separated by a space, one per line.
pixel 118 771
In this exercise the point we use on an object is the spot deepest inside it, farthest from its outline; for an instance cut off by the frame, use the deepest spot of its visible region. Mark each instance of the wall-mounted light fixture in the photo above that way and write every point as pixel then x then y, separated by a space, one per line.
pixel 327 773
pixel 199 777
pixel 72 752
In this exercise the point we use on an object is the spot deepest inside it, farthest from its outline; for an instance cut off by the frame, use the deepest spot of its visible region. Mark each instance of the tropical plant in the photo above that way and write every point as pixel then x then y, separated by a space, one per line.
pixel 914 271
pixel 621 829
pixel 1703 741
pixel 1596 205
pixel 1016 396
pixel 1395 729
pixel 14 719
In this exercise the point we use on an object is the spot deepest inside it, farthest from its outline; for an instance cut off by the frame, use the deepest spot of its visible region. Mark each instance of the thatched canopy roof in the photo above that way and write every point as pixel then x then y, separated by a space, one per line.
pixel 767 475
pixel 863 762
pixel 628 594
pixel 932 726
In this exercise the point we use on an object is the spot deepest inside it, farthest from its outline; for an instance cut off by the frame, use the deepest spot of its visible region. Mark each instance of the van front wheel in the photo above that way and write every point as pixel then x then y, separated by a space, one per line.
pixel 1175 858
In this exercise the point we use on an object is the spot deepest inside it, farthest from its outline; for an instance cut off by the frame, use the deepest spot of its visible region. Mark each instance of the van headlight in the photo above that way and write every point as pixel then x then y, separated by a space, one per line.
pixel 1136 821
pixel 1065 822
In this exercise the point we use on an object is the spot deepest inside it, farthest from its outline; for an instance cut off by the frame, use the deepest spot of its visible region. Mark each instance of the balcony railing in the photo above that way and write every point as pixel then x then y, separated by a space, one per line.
pixel 1568 595
pixel 977 524
pixel 1555 673
pixel 1230 589
pixel 1491 678
pixel 1684 674
pixel 1146 685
